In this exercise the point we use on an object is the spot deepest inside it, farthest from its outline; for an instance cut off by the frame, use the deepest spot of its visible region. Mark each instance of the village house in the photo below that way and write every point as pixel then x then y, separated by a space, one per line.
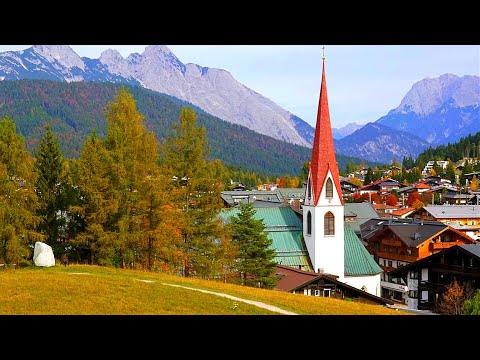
pixel 323 285
pixel 381 187
pixel 465 218
pixel 396 243
pixel 428 278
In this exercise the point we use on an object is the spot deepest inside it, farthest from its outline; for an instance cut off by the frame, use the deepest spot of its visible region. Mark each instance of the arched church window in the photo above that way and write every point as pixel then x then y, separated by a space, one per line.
pixel 329 188
pixel 329 224
pixel 309 223
pixel 309 189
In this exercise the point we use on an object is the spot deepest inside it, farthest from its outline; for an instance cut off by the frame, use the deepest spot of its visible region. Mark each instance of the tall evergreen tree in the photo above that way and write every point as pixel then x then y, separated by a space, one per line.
pixel 368 176
pixel 451 172
pixel 51 188
pixel 195 193
pixel 255 259
pixel 18 201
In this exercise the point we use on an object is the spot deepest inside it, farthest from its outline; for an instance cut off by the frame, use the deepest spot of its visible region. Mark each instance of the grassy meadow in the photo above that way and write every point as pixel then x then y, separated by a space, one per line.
pixel 94 290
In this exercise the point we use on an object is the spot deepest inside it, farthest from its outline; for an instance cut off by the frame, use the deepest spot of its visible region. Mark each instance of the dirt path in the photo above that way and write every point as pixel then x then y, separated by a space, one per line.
pixel 251 302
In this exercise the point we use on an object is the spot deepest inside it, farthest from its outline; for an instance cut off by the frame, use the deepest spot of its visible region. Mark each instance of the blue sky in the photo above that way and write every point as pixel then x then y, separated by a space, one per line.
pixel 364 81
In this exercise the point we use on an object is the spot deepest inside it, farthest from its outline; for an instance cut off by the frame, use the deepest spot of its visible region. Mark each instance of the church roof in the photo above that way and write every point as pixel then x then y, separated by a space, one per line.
pixel 358 260
pixel 323 151
pixel 285 229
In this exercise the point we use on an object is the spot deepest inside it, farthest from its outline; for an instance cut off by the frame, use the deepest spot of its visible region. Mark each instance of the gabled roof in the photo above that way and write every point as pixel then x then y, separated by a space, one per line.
pixel 285 229
pixel 384 182
pixel 402 211
pixel 323 152
pixel 358 260
pixel 363 212
pixel 414 235
pixel 290 279
pixel 453 211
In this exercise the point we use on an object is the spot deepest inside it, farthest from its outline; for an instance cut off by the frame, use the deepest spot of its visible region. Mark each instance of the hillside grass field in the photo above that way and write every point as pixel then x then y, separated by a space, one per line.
pixel 95 290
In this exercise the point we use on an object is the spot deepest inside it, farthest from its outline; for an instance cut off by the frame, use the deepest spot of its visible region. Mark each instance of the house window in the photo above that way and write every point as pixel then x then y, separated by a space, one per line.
pixel 305 292
pixel 317 292
pixel 390 263
pixel 309 223
pixel 413 294
pixel 326 293
pixel 329 189
pixel 470 262
pixel 329 225
pixel 414 274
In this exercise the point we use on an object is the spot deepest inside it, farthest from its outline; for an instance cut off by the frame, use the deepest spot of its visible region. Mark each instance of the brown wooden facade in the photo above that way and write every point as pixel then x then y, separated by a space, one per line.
pixel 455 263
pixel 387 245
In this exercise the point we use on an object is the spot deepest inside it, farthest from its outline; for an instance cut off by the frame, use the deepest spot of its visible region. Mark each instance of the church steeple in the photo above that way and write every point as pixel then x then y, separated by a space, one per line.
pixel 323 152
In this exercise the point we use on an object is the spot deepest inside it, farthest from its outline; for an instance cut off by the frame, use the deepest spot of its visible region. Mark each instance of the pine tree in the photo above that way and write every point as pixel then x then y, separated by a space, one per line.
pixel 368 176
pixel 255 260
pixel 195 194
pixel 18 201
pixel 451 173
pixel 50 188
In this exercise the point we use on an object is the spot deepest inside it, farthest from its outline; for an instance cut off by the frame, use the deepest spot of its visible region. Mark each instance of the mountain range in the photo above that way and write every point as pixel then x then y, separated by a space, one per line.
pixel 434 112
pixel 158 69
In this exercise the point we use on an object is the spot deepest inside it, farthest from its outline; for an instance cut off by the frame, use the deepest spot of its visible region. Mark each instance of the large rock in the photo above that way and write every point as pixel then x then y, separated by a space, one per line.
pixel 43 255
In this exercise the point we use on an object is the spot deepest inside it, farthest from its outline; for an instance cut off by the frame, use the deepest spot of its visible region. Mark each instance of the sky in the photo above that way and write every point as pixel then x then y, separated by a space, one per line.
pixel 364 82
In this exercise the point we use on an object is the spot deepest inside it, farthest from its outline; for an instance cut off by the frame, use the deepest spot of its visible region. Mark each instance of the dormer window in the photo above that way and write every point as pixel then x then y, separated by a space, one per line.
pixel 329 188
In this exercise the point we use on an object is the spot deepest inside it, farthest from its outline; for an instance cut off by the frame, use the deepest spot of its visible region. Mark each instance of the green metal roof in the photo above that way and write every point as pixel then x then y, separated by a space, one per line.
pixel 358 260
pixel 284 228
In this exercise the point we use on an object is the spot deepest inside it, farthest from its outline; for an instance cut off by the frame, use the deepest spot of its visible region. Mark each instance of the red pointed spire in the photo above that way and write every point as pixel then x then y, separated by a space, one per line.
pixel 323 152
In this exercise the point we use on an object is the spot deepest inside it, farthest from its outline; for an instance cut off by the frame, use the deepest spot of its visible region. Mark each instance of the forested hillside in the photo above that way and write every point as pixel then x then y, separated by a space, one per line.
pixel 75 109
pixel 468 146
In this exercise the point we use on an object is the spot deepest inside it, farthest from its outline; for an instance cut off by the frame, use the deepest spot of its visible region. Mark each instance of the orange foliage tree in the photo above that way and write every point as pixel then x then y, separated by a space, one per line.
pixel 452 299
pixel 412 197
pixel 391 200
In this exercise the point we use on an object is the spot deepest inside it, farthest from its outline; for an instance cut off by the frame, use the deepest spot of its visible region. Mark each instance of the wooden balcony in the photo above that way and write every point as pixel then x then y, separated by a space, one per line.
pixel 393 256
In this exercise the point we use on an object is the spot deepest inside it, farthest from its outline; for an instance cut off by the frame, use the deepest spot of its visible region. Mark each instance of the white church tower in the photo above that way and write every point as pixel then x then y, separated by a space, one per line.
pixel 323 210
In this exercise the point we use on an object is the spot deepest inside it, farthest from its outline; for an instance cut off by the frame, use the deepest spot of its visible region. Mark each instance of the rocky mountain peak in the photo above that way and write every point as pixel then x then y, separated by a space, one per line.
pixel 62 54
pixel 110 56
pixel 428 95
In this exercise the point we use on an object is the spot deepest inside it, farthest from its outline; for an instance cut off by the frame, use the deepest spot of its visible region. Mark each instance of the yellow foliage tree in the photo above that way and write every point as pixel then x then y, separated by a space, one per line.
pixel 474 183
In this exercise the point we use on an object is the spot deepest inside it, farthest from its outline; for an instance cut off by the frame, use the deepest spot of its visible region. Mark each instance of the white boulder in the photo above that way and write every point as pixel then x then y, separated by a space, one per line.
pixel 43 255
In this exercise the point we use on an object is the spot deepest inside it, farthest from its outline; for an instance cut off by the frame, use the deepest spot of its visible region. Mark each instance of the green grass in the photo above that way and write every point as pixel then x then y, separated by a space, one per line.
pixel 94 290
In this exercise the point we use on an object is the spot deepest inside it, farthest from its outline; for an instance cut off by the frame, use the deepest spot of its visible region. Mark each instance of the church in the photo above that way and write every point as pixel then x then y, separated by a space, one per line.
pixel 315 244
pixel 332 245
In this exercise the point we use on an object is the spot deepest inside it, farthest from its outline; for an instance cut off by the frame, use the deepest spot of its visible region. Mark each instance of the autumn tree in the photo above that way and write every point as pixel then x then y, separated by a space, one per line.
pixel 452 299
pixel 18 201
pixel 412 197
pixel 474 183
pixel 94 241
pixel 375 198
pixel 195 195
pixel 356 181
pixel 255 260
pixel 51 189
pixel 391 200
